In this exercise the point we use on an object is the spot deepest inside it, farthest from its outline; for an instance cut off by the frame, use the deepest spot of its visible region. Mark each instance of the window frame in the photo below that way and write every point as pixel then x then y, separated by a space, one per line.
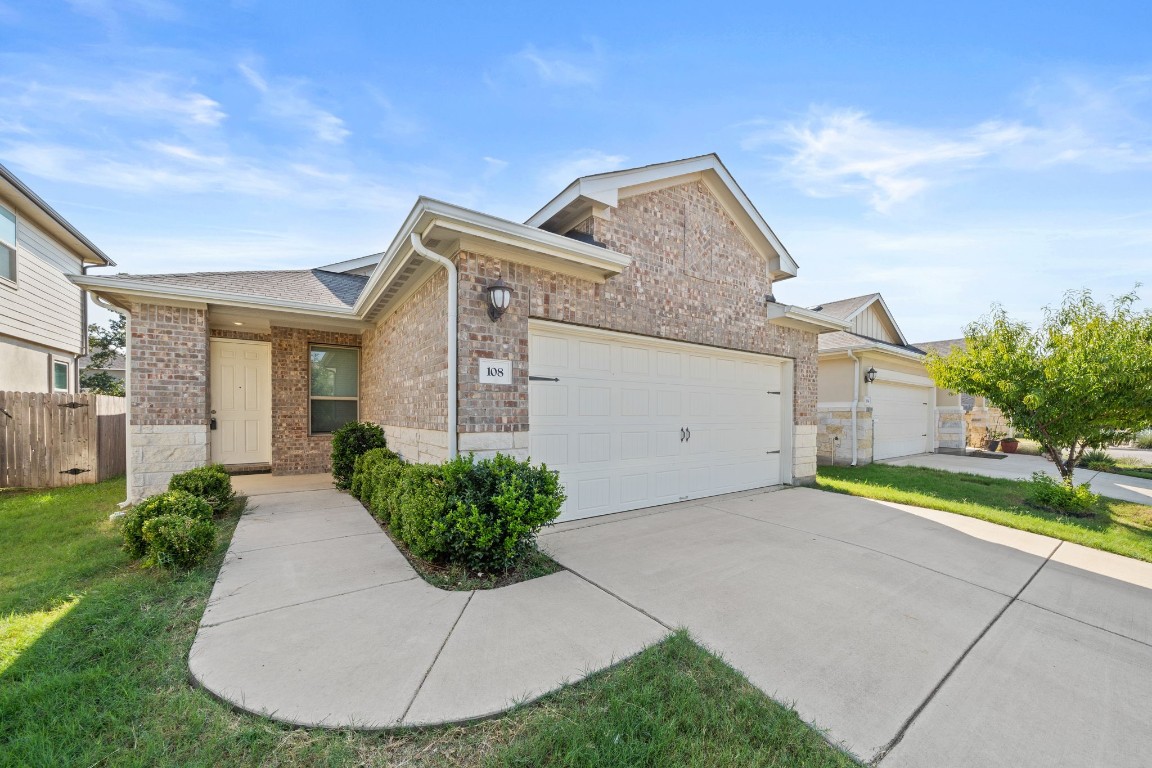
pixel 11 248
pixel 312 398
pixel 67 376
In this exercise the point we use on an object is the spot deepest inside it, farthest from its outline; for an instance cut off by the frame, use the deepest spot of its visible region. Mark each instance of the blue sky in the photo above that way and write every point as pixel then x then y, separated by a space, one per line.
pixel 947 157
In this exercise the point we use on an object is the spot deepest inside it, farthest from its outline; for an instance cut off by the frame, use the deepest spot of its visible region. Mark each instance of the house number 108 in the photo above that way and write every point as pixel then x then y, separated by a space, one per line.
pixel 495 371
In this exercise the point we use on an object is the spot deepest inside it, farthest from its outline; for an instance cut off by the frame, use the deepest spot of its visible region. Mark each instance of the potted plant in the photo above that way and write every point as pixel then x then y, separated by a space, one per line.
pixel 992 439
pixel 1009 444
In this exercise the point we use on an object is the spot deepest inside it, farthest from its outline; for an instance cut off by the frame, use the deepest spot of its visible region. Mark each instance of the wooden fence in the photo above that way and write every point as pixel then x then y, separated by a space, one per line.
pixel 50 440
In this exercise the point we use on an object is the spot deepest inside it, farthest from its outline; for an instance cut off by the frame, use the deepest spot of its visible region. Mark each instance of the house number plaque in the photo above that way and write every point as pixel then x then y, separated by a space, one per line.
pixel 495 371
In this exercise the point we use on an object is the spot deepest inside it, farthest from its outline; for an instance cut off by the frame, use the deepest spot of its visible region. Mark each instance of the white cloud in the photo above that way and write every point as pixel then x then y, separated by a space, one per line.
pixel 152 97
pixel 282 100
pixel 835 152
pixel 551 68
pixel 581 163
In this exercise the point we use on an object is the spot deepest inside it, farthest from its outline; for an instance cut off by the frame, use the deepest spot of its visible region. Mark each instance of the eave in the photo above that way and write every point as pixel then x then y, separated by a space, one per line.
pixel 792 316
pixel 32 206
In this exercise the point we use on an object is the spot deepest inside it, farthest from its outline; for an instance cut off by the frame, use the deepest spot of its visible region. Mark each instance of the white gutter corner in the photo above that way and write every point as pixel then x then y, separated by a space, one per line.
pixel 453 325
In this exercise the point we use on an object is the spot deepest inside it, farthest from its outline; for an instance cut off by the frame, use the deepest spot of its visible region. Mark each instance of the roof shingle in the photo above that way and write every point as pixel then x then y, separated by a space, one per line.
pixel 312 286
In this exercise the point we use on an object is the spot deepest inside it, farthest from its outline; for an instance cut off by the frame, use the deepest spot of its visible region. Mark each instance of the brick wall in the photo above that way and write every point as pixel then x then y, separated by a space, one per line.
pixel 294 450
pixel 405 373
pixel 694 278
pixel 168 395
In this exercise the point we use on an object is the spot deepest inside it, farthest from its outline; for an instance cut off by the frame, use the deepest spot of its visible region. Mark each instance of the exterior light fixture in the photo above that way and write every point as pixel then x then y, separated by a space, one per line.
pixel 499 298
pixel 870 375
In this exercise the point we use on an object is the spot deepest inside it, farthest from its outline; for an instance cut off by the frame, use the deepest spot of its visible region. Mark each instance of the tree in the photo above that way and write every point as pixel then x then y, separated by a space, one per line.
pixel 104 344
pixel 1082 379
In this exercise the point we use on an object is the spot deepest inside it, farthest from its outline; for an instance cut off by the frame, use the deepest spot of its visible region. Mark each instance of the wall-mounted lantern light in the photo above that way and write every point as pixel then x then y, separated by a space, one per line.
pixel 499 298
pixel 870 375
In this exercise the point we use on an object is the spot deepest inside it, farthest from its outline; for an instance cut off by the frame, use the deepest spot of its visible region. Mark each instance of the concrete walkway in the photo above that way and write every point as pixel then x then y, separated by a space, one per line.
pixel 1017 467
pixel 316 619
pixel 913 637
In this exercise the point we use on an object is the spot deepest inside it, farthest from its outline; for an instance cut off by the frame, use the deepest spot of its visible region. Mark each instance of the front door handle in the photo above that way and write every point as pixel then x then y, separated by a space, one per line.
pixel 212 423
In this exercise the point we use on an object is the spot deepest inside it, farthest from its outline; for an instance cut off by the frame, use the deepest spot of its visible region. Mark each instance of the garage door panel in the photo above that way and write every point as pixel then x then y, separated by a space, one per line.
pixel 899 419
pixel 614 424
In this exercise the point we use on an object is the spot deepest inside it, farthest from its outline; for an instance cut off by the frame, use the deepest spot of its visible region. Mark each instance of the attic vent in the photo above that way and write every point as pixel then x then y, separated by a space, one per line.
pixel 432 243
pixel 818 309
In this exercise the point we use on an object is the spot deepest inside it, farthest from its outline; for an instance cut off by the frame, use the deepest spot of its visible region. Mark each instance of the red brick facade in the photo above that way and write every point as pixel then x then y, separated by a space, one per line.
pixel 169 371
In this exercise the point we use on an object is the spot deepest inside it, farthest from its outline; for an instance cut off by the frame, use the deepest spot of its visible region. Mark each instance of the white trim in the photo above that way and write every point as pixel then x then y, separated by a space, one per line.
pixel 793 316
pixel 349 265
pixel 872 348
pixel 884 305
pixel 605 188
pixel 55 360
pixel 886 376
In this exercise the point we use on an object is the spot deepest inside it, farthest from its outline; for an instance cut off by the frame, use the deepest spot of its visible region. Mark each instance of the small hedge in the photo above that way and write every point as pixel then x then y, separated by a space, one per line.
pixel 179 542
pixel 1048 493
pixel 483 515
pixel 351 441
pixel 162 504
pixel 210 483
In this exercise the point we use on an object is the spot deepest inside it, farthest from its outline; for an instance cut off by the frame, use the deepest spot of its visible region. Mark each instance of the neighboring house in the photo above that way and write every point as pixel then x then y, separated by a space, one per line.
pixel 980 418
pixel 640 351
pixel 115 367
pixel 876 401
pixel 43 316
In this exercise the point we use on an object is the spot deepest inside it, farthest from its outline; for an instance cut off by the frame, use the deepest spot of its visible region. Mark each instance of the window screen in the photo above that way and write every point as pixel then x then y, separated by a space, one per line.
pixel 334 388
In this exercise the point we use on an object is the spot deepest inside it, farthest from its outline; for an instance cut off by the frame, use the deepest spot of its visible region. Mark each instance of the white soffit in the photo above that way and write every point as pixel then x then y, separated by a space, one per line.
pixel 606 189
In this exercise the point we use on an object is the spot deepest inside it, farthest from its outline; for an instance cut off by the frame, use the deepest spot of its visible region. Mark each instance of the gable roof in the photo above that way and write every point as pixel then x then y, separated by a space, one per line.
pixel 312 286
pixel 604 190
pixel 48 219
pixel 849 309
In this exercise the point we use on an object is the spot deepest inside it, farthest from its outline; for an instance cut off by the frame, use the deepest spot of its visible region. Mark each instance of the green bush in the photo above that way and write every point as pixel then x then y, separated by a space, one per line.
pixel 168 503
pixel 1143 439
pixel 364 471
pixel 1049 493
pixel 418 518
pixel 210 483
pixel 179 542
pixel 496 506
pixel 353 439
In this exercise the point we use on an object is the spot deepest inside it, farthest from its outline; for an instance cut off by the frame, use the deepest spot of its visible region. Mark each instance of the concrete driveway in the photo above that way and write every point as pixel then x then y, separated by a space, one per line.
pixel 915 638
pixel 1017 467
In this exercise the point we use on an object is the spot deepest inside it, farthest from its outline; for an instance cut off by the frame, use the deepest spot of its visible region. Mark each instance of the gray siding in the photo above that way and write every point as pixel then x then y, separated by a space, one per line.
pixel 44 308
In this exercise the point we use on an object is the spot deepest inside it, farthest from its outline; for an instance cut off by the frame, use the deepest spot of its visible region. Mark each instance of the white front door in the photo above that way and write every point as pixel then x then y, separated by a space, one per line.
pixel 900 419
pixel 631 422
pixel 241 401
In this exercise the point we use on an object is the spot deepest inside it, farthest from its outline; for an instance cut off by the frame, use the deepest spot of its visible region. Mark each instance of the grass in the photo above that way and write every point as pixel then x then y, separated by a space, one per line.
pixel 93 671
pixel 1124 528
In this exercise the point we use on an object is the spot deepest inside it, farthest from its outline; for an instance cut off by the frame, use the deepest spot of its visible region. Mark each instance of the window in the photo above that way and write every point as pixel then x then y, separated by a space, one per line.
pixel 59 376
pixel 7 245
pixel 335 387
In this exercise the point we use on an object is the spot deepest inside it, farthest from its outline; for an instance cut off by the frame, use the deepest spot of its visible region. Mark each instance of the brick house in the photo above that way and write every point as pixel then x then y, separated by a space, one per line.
pixel 641 352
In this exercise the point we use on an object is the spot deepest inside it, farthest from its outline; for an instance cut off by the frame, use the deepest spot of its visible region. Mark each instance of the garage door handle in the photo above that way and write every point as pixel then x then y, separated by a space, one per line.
pixel 681 434
pixel 776 451
pixel 689 433
pixel 542 378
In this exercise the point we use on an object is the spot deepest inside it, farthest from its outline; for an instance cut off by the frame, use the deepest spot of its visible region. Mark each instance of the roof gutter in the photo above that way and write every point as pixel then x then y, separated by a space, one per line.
pixel 452 326
pixel 36 200
pixel 792 316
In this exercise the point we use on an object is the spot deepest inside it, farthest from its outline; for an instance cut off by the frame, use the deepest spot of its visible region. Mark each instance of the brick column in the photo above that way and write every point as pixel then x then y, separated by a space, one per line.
pixel 167 395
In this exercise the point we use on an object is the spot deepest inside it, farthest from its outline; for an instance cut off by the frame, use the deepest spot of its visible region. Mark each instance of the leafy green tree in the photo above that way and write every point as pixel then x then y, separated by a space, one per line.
pixel 1082 379
pixel 104 343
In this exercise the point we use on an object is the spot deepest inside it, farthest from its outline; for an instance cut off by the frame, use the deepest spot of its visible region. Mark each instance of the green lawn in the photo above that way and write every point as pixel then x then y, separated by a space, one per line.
pixel 1119 526
pixel 93 672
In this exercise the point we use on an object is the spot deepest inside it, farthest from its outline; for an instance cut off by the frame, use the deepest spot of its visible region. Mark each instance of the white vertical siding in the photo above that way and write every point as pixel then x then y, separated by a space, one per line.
pixel 44 308
pixel 872 323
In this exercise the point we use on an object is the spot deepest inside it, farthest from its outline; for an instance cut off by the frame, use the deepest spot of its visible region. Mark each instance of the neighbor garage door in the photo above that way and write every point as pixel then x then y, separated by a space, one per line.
pixel 631 422
pixel 899 419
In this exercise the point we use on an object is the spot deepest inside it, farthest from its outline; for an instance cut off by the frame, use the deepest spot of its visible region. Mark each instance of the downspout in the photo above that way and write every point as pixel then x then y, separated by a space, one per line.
pixel 453 291
pixel 855 402
pixel 83 331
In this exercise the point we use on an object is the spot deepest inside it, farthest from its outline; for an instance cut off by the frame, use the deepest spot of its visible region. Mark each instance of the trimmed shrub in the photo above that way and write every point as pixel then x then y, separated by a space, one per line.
pixel 350 441
pixel 1049 493
pixel 418 517
pixel 210 483
pixel 179 542
pixel 364 473
pixel 168 503
pixel 496 507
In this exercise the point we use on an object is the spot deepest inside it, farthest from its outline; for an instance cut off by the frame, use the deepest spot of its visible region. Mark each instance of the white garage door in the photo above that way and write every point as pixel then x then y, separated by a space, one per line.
pixel 899 420
pixel 630 422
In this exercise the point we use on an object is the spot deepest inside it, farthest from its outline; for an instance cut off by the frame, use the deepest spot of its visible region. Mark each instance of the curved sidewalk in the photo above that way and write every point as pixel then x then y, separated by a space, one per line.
pixel 316 619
